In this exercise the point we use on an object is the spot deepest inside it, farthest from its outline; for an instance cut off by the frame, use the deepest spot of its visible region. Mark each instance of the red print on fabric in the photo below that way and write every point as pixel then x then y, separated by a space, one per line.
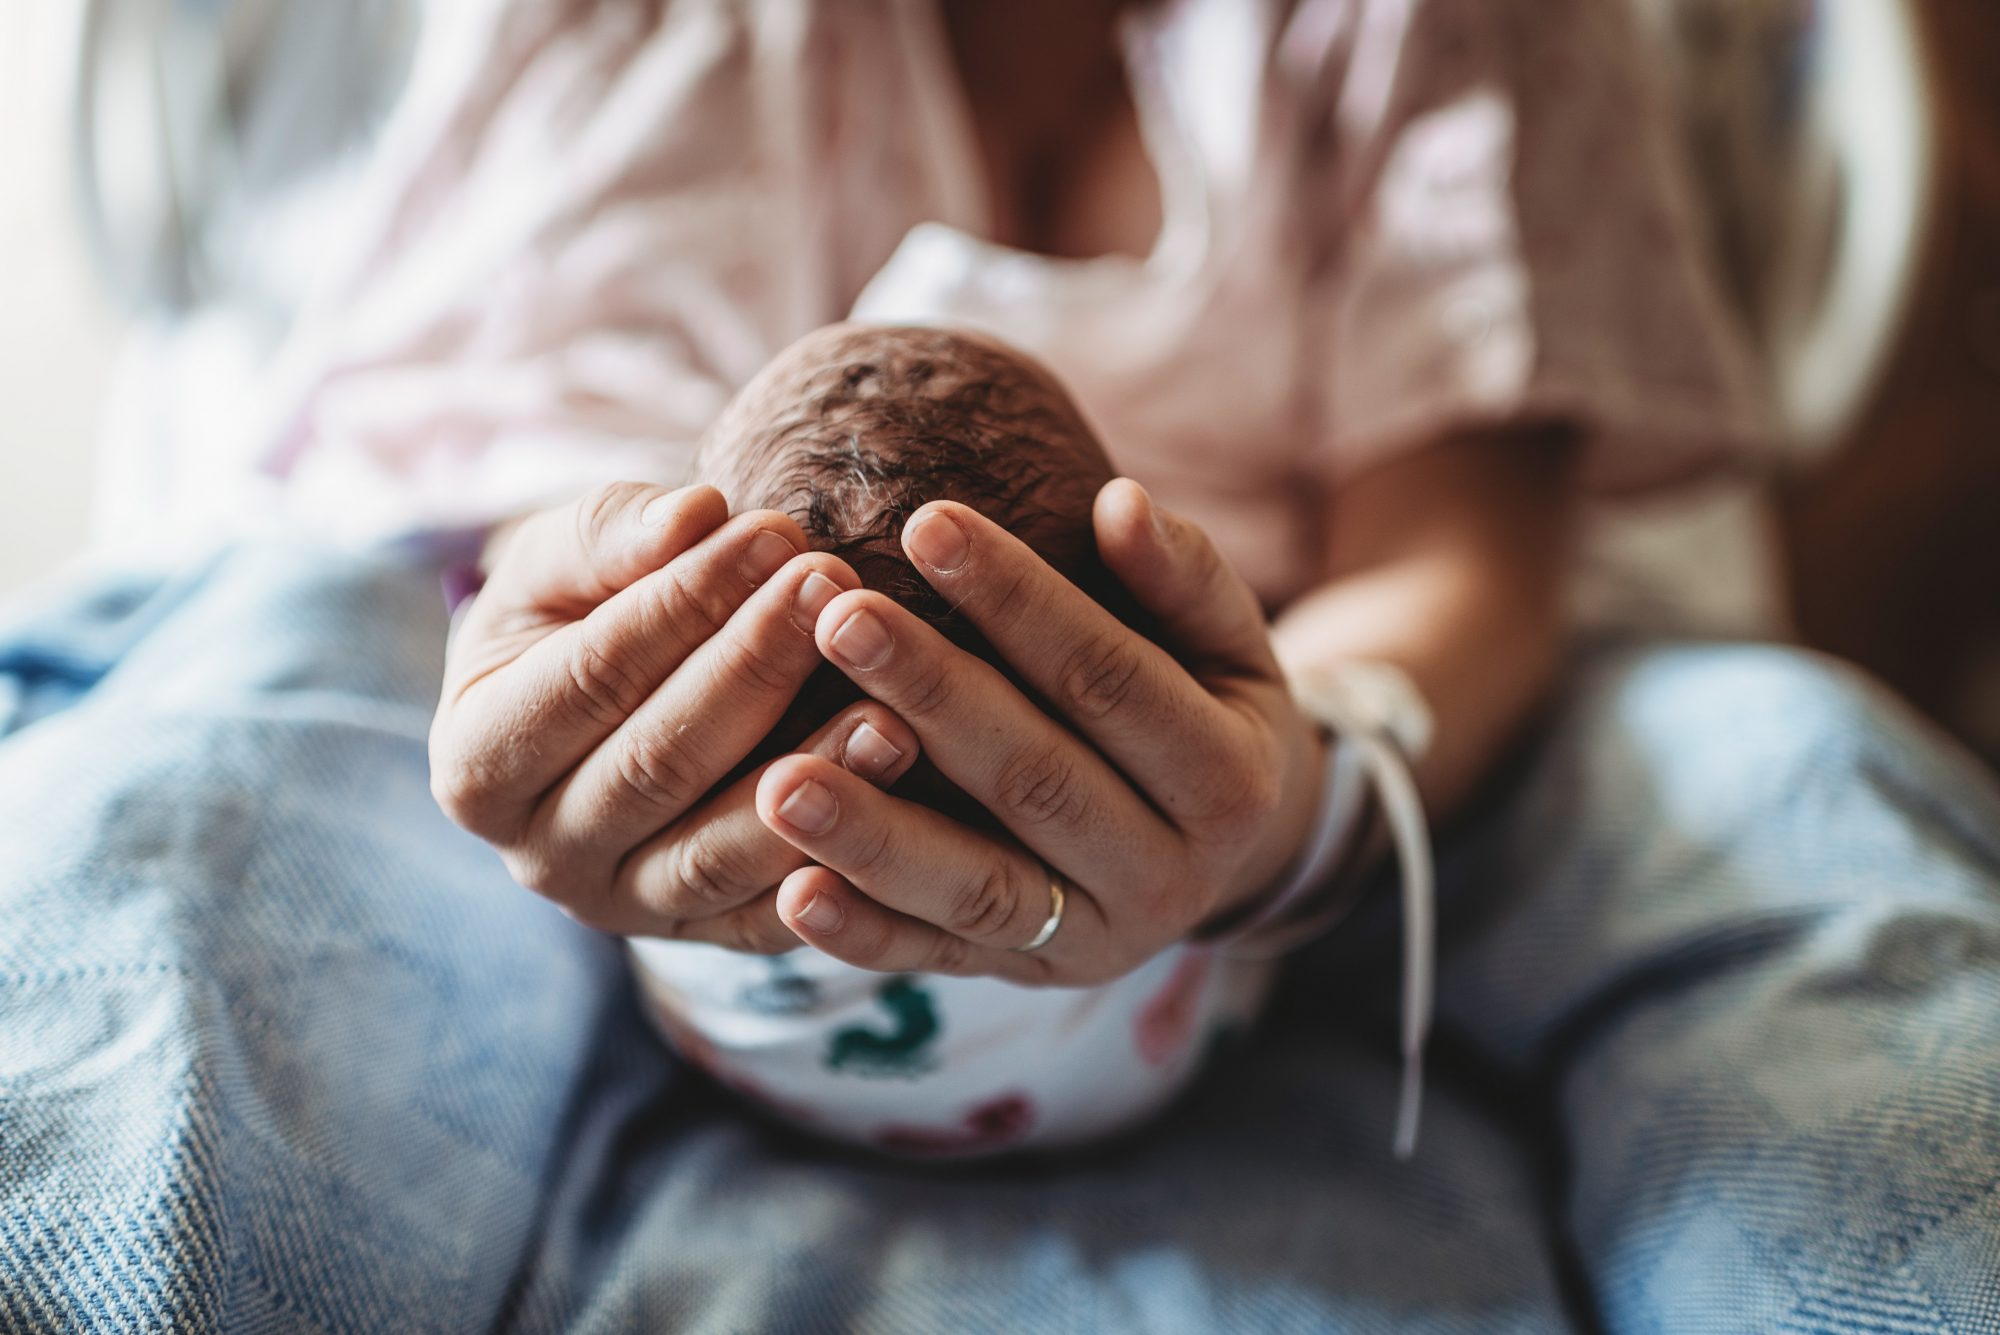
pixel 992 1125
pixel 1165 1024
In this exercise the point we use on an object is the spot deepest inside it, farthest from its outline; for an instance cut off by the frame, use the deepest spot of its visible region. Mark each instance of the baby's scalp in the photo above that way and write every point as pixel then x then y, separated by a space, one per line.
pixel 854 427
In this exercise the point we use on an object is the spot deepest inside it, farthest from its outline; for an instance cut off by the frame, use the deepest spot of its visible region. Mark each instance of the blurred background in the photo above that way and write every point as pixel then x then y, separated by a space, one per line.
pixel 58 329
pixel 167 168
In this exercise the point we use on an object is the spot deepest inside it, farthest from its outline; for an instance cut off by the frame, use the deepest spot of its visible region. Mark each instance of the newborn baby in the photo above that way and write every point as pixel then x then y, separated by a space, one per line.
pixel 850 433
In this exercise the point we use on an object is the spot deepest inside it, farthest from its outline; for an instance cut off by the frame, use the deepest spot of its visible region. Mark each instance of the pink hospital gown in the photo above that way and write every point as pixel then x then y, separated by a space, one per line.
pixel 1383 220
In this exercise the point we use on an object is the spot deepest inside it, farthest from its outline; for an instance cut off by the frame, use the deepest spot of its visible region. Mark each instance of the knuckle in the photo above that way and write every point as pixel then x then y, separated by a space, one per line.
pixel 1244 797
pixel 707 876
pixel 684 604
pixel 465 794
pixel 1039 786
pixel 751 662
pixel 1098 678
pixel 605 688
pixel 657 777
pixel 982 908
pixel 457 791
pixel 598 512
pixel 870 853
pixel 1018 590
pixel 948 954
pixel 927 689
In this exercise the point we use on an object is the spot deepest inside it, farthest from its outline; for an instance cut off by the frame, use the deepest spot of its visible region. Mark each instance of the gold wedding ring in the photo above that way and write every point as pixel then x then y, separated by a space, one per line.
pixel 1058 897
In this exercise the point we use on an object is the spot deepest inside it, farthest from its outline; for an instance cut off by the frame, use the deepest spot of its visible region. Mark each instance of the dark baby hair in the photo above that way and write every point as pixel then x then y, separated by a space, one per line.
pixel 853 428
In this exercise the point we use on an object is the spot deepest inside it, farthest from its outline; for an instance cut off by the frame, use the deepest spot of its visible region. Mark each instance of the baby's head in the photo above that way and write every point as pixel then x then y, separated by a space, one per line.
pixel 853 427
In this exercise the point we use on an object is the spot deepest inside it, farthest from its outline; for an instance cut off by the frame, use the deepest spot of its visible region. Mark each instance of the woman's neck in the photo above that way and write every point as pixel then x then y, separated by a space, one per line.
pixel 1032 67
pixel 1057 132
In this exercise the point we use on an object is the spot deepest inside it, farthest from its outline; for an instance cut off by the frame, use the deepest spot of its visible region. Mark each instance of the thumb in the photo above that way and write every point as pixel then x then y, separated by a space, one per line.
pixel 1172 568
pixel 575 556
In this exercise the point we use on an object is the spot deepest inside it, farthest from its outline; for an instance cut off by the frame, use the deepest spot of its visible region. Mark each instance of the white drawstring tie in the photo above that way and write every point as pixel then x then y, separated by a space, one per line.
pixel 1379 724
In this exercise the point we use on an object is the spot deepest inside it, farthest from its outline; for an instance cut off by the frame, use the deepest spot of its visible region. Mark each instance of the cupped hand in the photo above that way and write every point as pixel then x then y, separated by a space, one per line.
pixel 627 653
pixel 1175 787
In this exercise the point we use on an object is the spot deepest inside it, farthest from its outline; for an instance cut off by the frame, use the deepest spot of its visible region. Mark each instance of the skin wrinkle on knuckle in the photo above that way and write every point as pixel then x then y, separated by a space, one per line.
pixel 598 514
pixel 926 688
pixel 704 879
pixel 871 851
pixel 1016 594
pixel 651 774
pixel 1098 677
pixel 603 687
pixel 682 604
pixel 982 908
pixel 748 663
pixel 1038 786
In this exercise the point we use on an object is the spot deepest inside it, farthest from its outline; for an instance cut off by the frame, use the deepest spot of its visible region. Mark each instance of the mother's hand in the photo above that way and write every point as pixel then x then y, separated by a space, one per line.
pixel 628 652
pixel 1186 793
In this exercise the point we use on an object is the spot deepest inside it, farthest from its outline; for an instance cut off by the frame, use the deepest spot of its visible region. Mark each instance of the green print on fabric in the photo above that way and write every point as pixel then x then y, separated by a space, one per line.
pixel 903 1051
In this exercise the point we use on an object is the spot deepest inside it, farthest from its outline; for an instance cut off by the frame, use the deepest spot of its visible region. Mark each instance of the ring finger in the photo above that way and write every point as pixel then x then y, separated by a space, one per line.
pixel 824 910
pixel 919 863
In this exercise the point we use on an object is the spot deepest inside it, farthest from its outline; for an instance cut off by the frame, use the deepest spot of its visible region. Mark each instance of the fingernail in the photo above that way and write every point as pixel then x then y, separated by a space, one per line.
pixel 765 555
pixel 863 641
pixel 869 753
pixel 656 510
pixel 810 809
pixel 821 915
pixel 938 542
pixel 815 592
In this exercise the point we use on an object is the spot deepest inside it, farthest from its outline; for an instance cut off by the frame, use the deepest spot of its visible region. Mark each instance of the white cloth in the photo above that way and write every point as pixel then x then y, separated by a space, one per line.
pixel 959 1067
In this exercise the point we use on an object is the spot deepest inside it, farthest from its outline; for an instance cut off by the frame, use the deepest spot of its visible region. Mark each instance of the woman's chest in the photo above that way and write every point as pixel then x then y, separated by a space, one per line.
pixel 1089 193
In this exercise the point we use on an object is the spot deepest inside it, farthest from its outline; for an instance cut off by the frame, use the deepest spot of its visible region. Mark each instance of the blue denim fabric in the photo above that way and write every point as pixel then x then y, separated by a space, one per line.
pixel 281 1050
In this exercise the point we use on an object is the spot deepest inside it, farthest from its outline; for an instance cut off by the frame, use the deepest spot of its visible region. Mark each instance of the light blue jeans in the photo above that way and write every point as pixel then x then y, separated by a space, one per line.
pixel 281 1050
